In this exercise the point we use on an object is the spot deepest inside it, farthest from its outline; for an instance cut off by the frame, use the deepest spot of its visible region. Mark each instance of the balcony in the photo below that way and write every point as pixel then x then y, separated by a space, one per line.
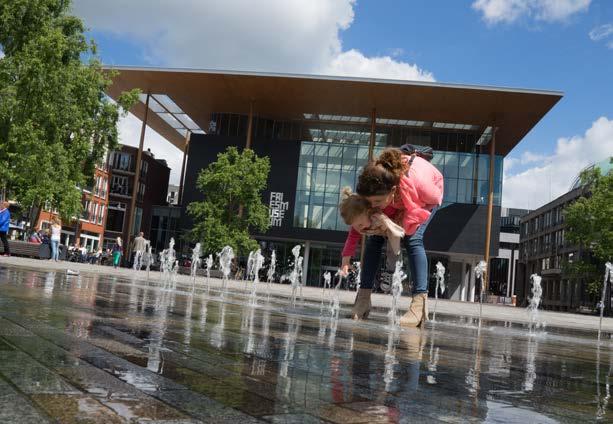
pixel 121 191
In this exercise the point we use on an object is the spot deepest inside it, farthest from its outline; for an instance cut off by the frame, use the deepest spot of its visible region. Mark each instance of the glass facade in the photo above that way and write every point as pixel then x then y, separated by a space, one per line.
pixel 325 168
pixel 334 150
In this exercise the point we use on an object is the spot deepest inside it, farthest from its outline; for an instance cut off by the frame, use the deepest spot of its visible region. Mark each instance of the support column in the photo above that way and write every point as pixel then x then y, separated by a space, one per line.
pixel 305 262
pixel 464 287
pixel 509 273
pixel 373 133
pixel 139 155
pixel 181 181
pixel 513 272
pixel 490 208
pixel 249 126
pixel 371 148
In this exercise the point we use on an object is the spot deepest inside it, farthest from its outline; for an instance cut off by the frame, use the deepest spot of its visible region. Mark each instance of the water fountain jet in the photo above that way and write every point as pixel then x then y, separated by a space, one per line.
pixel 535 301
pixel 225 264
pixel 608 278
pixel 195 264
pixel 396 290
pixel 258 262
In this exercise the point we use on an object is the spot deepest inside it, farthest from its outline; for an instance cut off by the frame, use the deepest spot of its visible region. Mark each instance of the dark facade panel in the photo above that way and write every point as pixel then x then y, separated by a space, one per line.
pixel 460 228
pixel 283 155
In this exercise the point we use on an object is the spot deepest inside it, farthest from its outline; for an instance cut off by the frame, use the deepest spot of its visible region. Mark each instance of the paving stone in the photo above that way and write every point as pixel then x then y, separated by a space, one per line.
pixel 108 347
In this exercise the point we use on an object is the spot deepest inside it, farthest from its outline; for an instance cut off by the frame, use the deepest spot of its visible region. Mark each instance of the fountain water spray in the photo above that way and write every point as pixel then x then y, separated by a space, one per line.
pixel 209 264
pixel 327 279
pixel 249 269
pixel 335 304
pixel 480 271
pixel 535 301
pixel 148 259
pixel 440 284
pixel 174 274
pixel 396 290
pixel 138 260
pixel 195 263
pixel 225 264
pixel 270 276
pixel 608 278
pixel 296 274
pixel 358 275
pixel 167 263
pixel 258 262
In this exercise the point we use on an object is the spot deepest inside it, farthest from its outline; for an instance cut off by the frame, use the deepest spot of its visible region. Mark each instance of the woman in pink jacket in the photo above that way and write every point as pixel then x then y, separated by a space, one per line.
pixel 408 189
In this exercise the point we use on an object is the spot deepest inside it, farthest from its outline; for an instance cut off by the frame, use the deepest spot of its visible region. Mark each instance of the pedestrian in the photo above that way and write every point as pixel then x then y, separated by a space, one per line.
pixel 56 234
pixel 139 245
pixel 5 221
pixel 396 183
pixel 35 238
pixel 117 251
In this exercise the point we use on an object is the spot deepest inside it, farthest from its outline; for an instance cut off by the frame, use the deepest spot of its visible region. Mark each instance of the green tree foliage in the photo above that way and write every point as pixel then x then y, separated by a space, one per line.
pixel 232 184
pixel 56 123
pixel 589 223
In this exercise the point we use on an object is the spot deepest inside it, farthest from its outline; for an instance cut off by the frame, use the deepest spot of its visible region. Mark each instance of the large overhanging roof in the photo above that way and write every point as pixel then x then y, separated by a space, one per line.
pixel 198 93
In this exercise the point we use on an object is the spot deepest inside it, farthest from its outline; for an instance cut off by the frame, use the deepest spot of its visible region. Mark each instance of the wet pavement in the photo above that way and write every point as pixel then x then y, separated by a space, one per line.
pixel 111 349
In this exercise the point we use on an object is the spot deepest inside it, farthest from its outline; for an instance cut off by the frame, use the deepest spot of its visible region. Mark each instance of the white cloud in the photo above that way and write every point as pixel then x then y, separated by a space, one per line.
pixel 276 35
pixel 529 157
pixel 354 63
pixel 129 129
pixel 554 174
pixel 508 11
pixel 270 35
pixel 601 32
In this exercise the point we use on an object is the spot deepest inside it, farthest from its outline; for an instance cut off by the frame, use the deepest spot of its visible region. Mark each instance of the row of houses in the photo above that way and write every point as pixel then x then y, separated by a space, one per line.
pixel 107 204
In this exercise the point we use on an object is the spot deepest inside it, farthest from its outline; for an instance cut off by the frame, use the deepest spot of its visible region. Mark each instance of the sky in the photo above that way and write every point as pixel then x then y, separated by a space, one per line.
pixel 562 45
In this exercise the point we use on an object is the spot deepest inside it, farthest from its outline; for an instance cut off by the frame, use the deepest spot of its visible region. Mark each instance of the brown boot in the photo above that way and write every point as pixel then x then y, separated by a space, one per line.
pixel 361 306
pixel 417 314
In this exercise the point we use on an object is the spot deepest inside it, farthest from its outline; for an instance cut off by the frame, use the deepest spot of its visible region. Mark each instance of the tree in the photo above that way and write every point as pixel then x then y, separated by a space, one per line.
pixel 589 223
pixel 232 187
pixel 56 123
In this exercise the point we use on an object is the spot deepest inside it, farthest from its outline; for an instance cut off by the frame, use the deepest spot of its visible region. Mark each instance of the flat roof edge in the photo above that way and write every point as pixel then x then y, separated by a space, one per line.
pixel 554 93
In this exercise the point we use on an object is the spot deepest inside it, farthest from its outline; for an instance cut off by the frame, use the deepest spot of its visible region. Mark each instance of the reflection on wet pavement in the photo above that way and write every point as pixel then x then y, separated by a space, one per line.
pixel 99 348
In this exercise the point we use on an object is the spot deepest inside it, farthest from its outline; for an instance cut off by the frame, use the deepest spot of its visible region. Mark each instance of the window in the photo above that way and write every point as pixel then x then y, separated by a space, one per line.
pixel 141 191
pixel 115 216
pixel 138 217
pixel 144 167
pixel 120 185
pixel 122 161
pixel 101 215
pixel 114 221
pixel 85 212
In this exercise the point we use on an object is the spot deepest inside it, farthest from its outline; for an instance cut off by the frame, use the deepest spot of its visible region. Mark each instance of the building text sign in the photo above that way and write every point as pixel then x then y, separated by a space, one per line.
pixel 277 208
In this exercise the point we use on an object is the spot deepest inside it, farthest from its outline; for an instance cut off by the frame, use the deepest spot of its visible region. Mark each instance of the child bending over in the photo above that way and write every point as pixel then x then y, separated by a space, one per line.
pixel 357 212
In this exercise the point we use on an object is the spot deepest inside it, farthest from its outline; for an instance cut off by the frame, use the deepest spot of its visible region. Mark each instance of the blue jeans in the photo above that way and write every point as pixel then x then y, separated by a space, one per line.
pixel 55 249
pixel 418 261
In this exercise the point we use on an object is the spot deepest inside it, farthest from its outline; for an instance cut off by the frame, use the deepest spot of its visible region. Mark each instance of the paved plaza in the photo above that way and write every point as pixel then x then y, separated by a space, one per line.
pixel 111 346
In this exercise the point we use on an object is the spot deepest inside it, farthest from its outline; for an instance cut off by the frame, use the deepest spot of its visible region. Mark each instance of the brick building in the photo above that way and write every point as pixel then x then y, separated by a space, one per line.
pixel 88 229
pixel 150 189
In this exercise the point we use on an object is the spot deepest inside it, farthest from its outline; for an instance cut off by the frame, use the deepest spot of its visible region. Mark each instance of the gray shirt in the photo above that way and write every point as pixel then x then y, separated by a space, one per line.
pixel 140 244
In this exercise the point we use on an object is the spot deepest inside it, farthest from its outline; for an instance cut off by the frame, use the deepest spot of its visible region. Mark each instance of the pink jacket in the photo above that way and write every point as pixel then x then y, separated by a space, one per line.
pixel 418 192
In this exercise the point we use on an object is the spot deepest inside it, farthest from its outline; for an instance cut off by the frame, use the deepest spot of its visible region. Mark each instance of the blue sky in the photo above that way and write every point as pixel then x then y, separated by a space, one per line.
pixel 517 43
pixel 451 40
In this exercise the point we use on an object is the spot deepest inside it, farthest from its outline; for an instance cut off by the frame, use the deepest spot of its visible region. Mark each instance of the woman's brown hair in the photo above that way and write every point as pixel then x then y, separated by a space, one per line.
pixel 352 205
pixel 381 176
